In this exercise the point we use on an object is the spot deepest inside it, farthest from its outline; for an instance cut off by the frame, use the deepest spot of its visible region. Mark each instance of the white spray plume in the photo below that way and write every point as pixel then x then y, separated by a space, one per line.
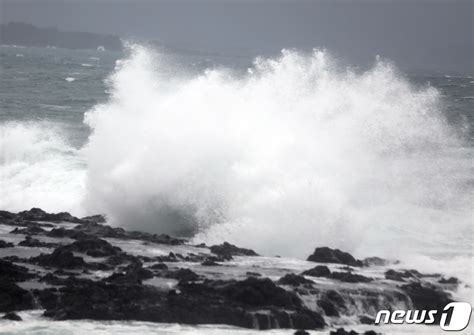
pixel 296 153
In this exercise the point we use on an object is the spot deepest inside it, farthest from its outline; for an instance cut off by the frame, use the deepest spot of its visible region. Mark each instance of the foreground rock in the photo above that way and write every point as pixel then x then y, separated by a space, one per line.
pixel 84 269
pixel 250 303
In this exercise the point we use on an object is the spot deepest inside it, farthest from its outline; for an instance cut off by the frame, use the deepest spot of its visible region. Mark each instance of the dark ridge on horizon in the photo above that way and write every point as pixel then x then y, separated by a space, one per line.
pixel 25 34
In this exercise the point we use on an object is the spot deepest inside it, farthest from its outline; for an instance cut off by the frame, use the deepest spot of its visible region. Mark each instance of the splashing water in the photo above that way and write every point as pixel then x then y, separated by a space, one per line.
pixel 297 152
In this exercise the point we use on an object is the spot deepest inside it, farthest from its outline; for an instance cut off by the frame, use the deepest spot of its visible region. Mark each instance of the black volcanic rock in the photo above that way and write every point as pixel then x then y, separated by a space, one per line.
pixel 37 214
pixel 402 275
pixel 427 297
pixel 342 331
pixel 31 230
pixel 183 275
pixel 93 246
pixel 94 219
pixel 12 316
pixel 13 272
pixel 4 244
pixel 294 280
pixel 318 271
pixel 60 258
pixel 349 277
pixel 227 250
pixel 328 255
pixel 212 302
pixel 13 297
pixel 35 243
pixel 262 292
pixel 451 280
pixel 301 332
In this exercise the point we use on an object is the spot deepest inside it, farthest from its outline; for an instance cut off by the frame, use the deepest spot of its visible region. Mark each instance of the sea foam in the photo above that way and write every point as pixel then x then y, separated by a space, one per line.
pixel 296 152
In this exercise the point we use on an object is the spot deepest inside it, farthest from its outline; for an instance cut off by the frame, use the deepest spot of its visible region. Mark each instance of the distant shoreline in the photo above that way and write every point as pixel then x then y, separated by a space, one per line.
pixel 28 35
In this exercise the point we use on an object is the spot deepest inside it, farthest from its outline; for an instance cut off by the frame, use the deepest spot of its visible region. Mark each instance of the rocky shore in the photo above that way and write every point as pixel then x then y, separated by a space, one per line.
pixel 74 269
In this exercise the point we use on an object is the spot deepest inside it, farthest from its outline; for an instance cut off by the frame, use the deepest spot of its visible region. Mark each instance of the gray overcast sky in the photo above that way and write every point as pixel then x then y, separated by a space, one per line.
pixel 417 34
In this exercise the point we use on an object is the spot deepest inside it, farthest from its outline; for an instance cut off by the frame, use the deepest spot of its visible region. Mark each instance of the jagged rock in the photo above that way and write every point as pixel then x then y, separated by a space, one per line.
pixel 183 275
pixel 402 275
pixel 253 274
pixel 366 320
pixel 451 280
pixel 260 292
pixel 350 277
pixel 93 246
pixel 228 250
pixel 12 316
pixel 375 261
pixel 328 255
pixel 209 262
pixel 62 232
pixel 37 214
pixel 206 303
pixel 4 244
pixel 31 230
pixel 294 280
pixel 35 243
pixel 5 216
pixel 318 271
pixel 427 297
pixel 13 297
pixel 328 307
pixel 13 272
pixel 159 266
pixel 95 218
pixel 60 258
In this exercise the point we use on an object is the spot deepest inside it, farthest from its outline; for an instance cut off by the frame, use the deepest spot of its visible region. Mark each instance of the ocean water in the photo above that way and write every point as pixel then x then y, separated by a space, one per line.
pixel 278 154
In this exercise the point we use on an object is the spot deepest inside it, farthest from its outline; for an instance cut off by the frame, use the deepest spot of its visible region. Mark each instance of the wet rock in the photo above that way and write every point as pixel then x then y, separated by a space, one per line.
pixel 261 292
pixel 13 272
pixel 37 214
pixel 62 232
pixel 35 243
pixel 301 332
pixel 401 275
pixel 294 280
pixel 209 262
pixel 32 230
pixel 328 255
pixel 328 307
pixel 184 275
pixel 349 277
pixel 13 297
pixel 451 280
pixel 133 274
pixel 4 244
pixel 60 258
pixel 342 331
pixel 366 320
pixel 375 261
pixel 205 303
pixel 93 246
pixel 427 297
pixel 253 274
pixel 227 250
pixel 12 316
pixel 6 216
pixel 95 219
pixel 159 266
pixel 318 271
